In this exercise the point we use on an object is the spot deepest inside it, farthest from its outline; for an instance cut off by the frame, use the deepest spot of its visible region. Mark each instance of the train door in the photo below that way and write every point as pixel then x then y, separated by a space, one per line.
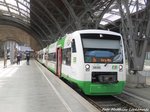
pixel 59 62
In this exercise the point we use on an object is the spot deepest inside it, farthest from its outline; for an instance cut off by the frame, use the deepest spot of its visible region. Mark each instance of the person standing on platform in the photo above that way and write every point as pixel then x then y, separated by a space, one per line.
pixel 18 58
pixel 27 57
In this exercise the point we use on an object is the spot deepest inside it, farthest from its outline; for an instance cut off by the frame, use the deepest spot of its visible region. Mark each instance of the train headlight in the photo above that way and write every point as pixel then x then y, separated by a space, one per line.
pixel 120 68
pixel 87 67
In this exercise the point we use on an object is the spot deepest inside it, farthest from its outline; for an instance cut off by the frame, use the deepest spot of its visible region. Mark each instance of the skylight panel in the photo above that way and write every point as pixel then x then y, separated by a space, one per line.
pixel 24 12
pixel 13 2
pixel 107 15
pixel 113 17
pixel 21 1
pixel 22 6
pixel 14 11
pixel 6 14
pixel 12 7
pixel 16 8
pixel 103 22
pixel 115 10
pixel 3 8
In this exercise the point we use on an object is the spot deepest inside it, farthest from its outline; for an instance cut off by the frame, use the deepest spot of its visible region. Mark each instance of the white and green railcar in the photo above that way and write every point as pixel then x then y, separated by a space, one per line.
pixel 92 59
pixel 40 56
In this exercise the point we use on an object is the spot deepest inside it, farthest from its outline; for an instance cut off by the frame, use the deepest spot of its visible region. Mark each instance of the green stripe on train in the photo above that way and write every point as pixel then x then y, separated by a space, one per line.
pixel 61 42
pixel 51 69
pixel 97 89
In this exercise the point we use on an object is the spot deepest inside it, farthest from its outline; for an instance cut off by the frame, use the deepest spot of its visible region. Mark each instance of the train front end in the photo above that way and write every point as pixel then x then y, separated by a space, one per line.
pixel 104 71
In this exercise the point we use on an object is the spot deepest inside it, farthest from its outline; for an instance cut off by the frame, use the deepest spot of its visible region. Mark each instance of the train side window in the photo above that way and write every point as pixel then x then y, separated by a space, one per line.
pixel 52 56
pixel 73 45
pixel 66 56
pixel 46 56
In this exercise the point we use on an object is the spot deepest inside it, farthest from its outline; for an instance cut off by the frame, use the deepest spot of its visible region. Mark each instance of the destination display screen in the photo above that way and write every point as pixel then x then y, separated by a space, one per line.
pixel 105 60
pixel 102 60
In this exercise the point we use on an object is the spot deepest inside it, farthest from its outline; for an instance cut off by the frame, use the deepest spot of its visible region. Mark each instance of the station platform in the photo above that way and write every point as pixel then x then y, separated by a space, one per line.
pixel 32 88
pixel 138 86
pixel 142 93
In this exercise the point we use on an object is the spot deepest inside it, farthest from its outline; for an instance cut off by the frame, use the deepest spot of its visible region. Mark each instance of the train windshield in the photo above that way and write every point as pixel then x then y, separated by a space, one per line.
pixel 99 48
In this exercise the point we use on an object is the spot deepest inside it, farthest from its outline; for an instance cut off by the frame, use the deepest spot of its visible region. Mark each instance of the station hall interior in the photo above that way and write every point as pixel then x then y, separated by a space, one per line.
pixel 31 26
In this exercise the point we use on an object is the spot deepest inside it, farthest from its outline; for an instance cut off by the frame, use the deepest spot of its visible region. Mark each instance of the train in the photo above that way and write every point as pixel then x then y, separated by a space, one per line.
pixel 94 60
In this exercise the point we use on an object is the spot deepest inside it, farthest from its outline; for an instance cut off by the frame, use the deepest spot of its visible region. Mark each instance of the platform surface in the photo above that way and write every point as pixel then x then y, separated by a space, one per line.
pixel 142 93
pixel 32 88
pixel 139 90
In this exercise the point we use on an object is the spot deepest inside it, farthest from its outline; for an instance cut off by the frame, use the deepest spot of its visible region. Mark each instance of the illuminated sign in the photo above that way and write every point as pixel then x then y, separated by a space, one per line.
pixel 105 60
pixel 102 60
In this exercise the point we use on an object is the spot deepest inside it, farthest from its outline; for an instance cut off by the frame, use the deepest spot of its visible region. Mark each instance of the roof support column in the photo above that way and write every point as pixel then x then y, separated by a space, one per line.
pixel 12 51
pixel 5 55
pixel 136 34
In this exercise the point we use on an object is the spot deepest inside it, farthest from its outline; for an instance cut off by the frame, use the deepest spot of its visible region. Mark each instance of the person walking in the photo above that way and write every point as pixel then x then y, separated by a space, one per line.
pixel 27 57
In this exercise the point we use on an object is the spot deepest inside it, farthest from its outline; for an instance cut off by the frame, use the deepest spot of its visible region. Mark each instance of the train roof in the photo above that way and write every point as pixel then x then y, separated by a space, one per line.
pixel 97 31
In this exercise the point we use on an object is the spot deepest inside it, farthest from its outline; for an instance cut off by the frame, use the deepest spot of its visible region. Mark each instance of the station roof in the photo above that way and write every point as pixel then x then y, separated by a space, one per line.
pixel 113 12
pixel 47 20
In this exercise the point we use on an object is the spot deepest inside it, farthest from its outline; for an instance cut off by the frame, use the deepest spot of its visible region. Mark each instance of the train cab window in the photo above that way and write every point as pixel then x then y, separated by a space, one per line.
pixel 101 50
pixel 73 46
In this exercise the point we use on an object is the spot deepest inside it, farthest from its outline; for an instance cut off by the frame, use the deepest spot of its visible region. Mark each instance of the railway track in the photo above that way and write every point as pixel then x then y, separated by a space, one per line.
pixel 113 104
pixel 109 103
